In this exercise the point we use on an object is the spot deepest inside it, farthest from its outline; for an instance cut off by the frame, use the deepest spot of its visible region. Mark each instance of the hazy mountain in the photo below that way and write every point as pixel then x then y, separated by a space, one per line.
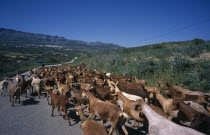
pixel 13 37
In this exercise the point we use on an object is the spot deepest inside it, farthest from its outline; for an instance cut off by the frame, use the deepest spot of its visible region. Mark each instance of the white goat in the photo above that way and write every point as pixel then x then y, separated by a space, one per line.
pixel 36 84
pixel 158 125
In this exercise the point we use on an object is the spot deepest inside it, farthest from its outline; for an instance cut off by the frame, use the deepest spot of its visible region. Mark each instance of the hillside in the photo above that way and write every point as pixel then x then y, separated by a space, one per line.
pixel 183 62
pixel 21 51
pixel 13 37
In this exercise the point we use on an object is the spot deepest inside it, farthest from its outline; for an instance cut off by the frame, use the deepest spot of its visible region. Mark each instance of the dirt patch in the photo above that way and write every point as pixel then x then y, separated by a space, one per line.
pixel 203 56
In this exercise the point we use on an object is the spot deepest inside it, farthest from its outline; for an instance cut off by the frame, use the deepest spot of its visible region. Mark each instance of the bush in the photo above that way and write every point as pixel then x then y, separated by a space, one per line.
pixel 198 41
pixel 180 63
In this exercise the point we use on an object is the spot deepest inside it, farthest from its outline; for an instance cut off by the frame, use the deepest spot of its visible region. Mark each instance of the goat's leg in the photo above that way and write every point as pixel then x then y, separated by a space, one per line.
pixel 124 130
pixel 91 115
pixel 59 111
pixel 53 107
pixel 112 128
pixel 26 92
pixel 133 124
pixel 13 100
pixel 32 89
pixel 39 93
pixel 102 122
pixel 4 92
pixel 48 98
pixel 9 98
pixel 66 115
pixel 18 99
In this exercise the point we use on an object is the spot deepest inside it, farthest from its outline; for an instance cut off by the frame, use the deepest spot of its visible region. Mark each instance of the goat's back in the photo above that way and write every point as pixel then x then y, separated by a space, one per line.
pixel 105 110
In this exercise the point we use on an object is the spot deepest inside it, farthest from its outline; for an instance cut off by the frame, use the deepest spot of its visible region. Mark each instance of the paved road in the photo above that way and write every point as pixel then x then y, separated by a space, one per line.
pixel 32 117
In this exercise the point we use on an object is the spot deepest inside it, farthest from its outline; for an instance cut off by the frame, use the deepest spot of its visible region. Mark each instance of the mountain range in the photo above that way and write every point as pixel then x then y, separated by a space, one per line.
pixel 13 37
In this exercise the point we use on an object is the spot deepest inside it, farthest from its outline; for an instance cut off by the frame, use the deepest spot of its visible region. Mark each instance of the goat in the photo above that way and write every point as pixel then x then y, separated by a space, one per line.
pixel 103 93
pixel 199 121
pixel 1 87
pixel 36 84
pixel 61 102
pixel 47 89
pixel 138 92
pixel 128 109
pixel 63 89
pixel 23 84
pixel 139 81
pixel 166 103
pixel 197 107
pixel 158 125
pixel 91 127
pixel 85 86
pixel 4 85
pixel 107 111
pixel 152 91
pixel 14 92
pixel 80 96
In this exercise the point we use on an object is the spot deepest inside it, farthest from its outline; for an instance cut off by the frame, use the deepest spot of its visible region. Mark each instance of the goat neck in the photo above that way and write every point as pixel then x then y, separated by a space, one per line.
pixel 151 115
pixel 187 110
pixel 160 97
pixel 90 95
pixel 122 97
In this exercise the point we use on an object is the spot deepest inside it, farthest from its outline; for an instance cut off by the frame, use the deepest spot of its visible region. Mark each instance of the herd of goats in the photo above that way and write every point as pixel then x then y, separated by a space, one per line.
pixel 162 110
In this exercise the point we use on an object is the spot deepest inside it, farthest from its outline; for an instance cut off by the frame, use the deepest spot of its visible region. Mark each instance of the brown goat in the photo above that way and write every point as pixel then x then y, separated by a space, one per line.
pixel 63 89
pixel 85 86
pixel 103 93
pixel 199 121
pixel 128 109
pixel 139 81
pixel 80 96
pixel 61 102
pixel 14 92
pixel 134 89
pixel 167 104
pixel 107 111
pixel 91 127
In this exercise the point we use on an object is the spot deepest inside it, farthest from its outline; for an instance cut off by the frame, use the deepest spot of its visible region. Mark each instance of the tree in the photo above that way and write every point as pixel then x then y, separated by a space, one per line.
pixel 198 41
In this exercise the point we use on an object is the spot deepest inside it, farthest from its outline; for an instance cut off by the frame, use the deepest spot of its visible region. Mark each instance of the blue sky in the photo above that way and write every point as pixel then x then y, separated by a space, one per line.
pixel 124 22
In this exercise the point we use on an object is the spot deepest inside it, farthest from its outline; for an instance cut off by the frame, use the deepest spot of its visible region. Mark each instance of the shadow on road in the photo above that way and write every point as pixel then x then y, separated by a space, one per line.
pixel 72 115
pixel 30 101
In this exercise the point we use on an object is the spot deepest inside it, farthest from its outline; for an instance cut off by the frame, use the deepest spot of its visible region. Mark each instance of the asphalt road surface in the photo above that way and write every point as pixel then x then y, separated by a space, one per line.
pixel 33 117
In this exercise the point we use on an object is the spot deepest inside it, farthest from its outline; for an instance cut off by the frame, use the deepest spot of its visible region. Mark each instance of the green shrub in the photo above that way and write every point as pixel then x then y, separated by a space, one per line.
pixel 180 63
pixel 198 41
